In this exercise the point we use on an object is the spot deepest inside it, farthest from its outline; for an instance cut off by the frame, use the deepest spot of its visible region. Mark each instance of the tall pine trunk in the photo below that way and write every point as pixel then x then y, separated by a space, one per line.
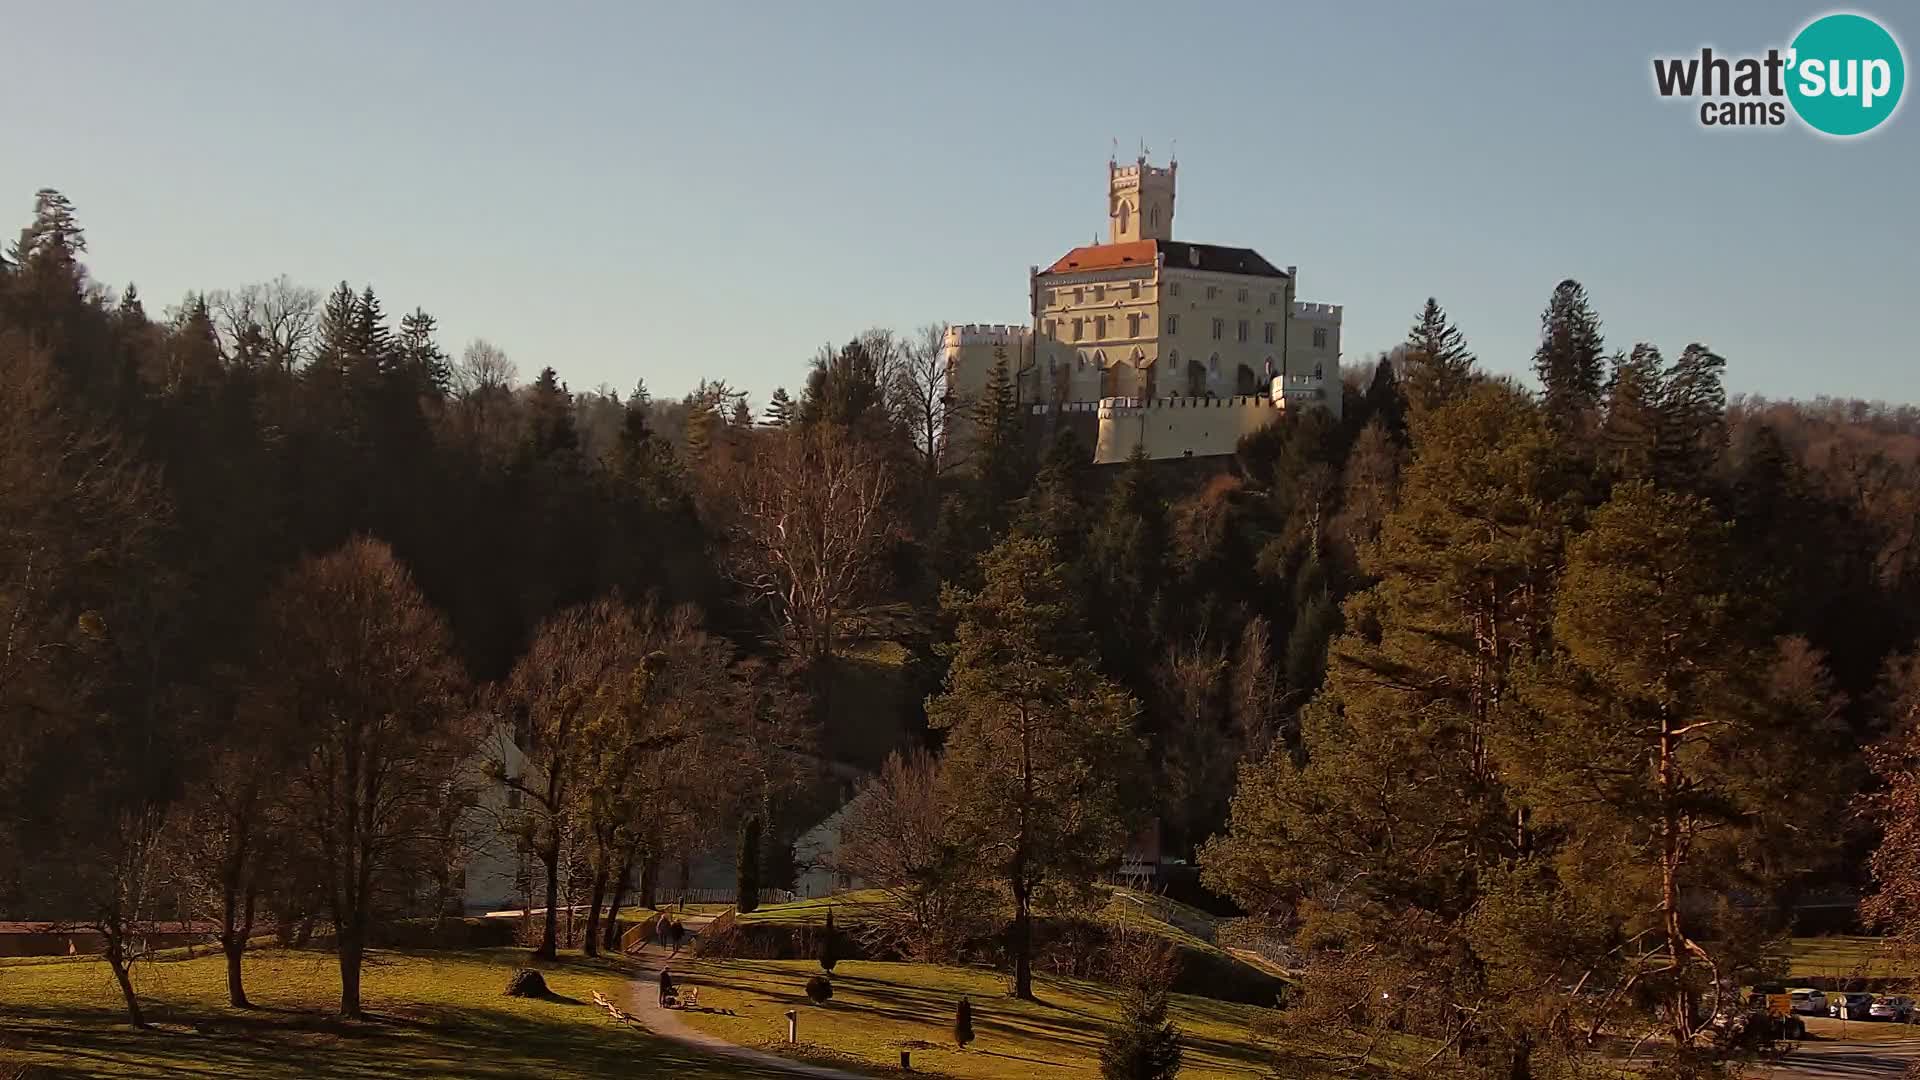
pixel 1022 888
pixel 1678 1001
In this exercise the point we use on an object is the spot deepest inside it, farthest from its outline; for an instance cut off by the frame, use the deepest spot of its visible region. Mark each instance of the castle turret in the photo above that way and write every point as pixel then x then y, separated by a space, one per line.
pixel 1140 201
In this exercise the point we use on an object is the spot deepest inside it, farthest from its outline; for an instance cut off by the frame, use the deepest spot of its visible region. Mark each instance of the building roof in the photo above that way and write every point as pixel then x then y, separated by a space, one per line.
pixel 1104 257
pixel 1213 257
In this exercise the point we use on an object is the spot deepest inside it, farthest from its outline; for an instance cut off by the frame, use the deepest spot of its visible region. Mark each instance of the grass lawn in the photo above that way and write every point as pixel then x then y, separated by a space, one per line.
pixel 1843 956
pixel 433 1014
pixel 879 1009
pixel 848 908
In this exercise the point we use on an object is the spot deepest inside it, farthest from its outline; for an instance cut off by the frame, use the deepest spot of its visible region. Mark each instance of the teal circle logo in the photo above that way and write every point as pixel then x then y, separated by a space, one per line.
pixel 1845 74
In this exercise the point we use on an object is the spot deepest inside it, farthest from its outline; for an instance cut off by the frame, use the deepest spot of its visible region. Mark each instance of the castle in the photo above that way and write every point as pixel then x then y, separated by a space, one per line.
pixel 1151 342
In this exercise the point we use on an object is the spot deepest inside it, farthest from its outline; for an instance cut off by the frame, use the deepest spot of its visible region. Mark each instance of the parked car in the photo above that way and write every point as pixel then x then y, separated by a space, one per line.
pixel 1811 1002
pixel 1891 1008
pixel 1849 1006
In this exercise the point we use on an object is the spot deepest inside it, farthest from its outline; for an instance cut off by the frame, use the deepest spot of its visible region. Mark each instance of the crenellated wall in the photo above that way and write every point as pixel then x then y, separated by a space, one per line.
pixel 1179 427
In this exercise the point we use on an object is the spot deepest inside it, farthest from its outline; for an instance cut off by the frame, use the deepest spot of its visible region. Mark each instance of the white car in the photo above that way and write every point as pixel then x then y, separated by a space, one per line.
pixel 1891 1008
pixel 1811 1002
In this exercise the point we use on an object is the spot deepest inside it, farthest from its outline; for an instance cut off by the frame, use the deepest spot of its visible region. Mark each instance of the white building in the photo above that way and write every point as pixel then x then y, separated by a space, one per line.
pixel 1144 325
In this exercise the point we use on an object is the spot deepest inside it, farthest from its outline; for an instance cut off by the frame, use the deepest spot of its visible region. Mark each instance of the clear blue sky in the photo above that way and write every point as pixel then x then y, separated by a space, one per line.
pixel 625 190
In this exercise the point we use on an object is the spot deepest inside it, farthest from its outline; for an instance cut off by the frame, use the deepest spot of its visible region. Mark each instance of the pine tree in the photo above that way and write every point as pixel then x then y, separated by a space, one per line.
pixel 1142 1044
pixel 780 410
pixel 1693 428
pixel 1040 748
pixel 999 457
pixel 641 397
pixel 1569 361
pixel 1629 441
pixel 963 1022
pixel 747 866
pixel 551 428
pixel 1126 569
pixel 1437 366
pixel 829 945
pixel 427 368
pixel 54 239
pixel 1386 404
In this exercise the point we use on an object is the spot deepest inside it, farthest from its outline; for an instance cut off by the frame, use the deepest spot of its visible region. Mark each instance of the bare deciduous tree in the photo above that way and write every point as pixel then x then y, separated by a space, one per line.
pixel 552 697
pixel 286 315
pixel 811 514
pixel 925 395
pixel 897 836
pixel 354 656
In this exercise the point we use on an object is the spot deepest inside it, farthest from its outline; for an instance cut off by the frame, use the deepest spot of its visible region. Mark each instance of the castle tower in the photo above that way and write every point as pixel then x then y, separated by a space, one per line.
pixel 1140 201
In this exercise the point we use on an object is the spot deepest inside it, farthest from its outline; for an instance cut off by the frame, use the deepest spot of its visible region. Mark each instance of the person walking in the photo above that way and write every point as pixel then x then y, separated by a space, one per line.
pixel 666 987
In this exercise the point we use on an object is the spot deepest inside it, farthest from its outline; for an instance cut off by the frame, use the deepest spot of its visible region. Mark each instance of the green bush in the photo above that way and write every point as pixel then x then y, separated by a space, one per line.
pixel 820 989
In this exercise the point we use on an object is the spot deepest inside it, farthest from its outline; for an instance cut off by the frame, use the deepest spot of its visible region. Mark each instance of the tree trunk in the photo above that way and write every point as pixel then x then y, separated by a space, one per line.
pixel 351 949
pixel 549 947
pixel 117 960
pixel 235 948
pixel 1022 887
pixel 591 943
pixel 612 941
pixel 1678 1001
pixel 236 923
pixel 650 882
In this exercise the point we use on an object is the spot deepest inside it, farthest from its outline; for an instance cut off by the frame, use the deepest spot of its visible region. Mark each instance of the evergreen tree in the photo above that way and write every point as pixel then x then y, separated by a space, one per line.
pixel 1039 746
pixel 1126 568
pixel 1386 404
pixel 780 410
pixel 550 419
pixel 999 447
pixel 1142 1044
pixel 747 867
pixel 1629 441
pixel 1569 361
pixel 1437 366
pixel 1680 772
pixel 1315 622
pixel 1052 509
pixel 54 239
pixel 426 367
pixel 641 397
pixel 1693 428
pixel 829 945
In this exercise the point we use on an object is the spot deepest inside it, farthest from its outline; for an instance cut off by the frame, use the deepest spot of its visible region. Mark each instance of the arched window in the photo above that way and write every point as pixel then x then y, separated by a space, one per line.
pixel 1245 382
pixel 1153 218
pixel 1213 363
pixel 1126 217
pixel 1100 360
pixel 1196 379
pixel 1316 372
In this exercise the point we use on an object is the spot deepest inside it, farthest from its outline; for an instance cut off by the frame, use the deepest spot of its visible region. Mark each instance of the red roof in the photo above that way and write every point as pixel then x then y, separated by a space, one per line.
pixel 1105 257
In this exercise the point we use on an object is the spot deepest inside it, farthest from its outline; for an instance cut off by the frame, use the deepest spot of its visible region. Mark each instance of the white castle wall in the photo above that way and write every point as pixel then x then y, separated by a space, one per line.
pixel 1180 426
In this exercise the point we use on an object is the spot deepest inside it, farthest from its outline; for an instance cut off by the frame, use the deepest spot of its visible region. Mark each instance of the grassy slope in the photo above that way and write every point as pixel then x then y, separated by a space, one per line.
pixel 879 1009
pixel 1846 956
pixel 436 1015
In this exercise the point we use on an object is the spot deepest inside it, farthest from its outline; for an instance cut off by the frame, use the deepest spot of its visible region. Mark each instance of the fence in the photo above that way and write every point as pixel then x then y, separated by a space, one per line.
pixel 638 935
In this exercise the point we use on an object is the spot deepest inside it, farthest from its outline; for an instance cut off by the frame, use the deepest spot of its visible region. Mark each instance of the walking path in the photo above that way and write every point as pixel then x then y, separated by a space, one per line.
pixel 643 998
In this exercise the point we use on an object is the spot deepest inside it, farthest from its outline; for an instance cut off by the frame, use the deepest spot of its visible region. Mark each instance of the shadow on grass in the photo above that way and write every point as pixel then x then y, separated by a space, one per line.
pixel 469 1042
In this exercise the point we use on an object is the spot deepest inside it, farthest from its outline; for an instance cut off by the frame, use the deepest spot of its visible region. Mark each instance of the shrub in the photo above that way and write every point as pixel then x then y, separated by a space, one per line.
pixel 1142 1044
pixel 526 982
pixel 963 1023
pixel 820 989
pixel 829 945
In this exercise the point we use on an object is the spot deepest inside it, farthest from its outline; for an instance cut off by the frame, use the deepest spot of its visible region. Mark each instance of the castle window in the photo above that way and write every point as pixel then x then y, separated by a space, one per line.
pixel 1126 217
pixel 1317 372
pixel 1049 328
pixel 1241 330
pixel 1133 326
pixel 1173 288
pixel 1079 294
pixel 1099 293
pixel 1273 299
pixel 1242 297
pixel 1269 333
pixel 1153 217
pixel 1136 290
pixel 1319 337
pixel 1173 325
pixel 1212 292
pixel 1219 328
pixel 1053 297
pixel 1100 327
pixel 1077 324
pixel 1213 362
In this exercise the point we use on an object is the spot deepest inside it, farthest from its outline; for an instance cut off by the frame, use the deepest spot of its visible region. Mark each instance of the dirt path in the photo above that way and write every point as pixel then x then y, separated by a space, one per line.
pixel 643 1000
